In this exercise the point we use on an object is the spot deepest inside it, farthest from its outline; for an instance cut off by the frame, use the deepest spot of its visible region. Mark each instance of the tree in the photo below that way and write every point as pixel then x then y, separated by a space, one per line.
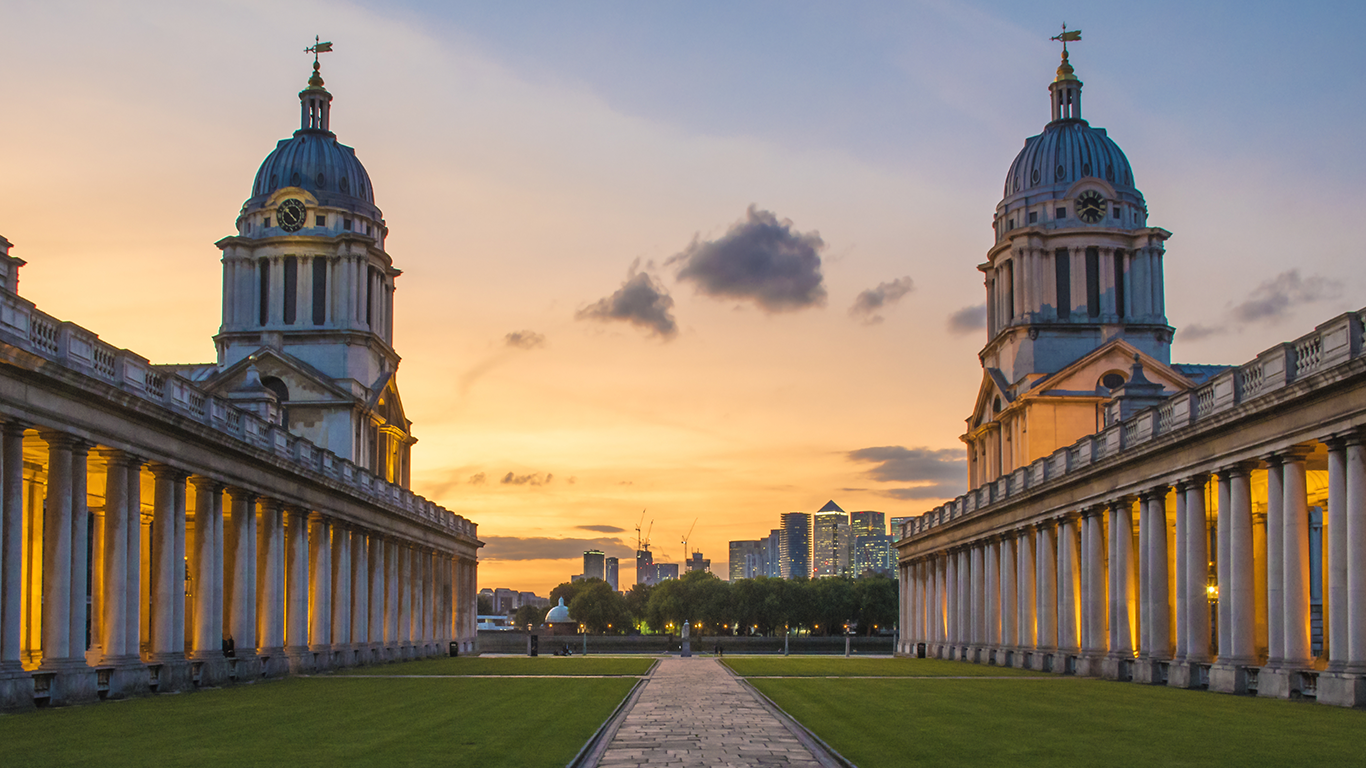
pixel 834 602
pixel 569 589
pixel 484 605
pixel 529 614
pixel 599 608
pixel 877 603
pixel 638 601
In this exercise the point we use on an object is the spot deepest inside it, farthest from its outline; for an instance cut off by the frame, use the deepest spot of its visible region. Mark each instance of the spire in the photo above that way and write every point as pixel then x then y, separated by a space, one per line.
pixel 1066 88
pixel 315 103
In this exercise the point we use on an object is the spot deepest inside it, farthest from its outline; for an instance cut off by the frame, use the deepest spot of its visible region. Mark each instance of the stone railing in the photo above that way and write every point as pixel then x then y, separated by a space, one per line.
pixel 79 350
pixel 1336 341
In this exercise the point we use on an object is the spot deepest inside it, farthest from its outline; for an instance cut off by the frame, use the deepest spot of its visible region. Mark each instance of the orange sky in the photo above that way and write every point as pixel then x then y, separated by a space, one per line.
pixel 519 192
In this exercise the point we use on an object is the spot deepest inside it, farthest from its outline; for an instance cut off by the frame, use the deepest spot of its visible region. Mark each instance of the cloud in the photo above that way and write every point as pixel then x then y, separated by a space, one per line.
pixel 640 301
pixel 525 339
pixel 1273 299
pixel 535 478
pixel 601 528
pixel 968 320
pixel 1196 332
pixel 545 548
pixel 932 491
pixel 479 478
pixel 760 258
pixel 868 303
pixel 936 473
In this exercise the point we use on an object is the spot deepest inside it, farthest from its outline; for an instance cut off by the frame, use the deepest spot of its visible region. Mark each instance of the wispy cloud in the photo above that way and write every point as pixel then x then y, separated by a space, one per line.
pixel 968 320
pixel 761 258
pixel 545 548
pixel 868 304
pixel 601 528
pixel 1270 302
pixel 535 478
pixel 524 339
pixel 936 473
pixel 640 301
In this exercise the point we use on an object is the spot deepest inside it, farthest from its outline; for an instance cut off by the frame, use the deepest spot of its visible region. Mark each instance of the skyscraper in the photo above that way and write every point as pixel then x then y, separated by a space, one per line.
pixel 610 572
pixel 746 559
pixel 645 567
pixel 872 545
pixel 830 541
pixel 697 563
pixel 773 554
pixel 594 564
pixel 796 545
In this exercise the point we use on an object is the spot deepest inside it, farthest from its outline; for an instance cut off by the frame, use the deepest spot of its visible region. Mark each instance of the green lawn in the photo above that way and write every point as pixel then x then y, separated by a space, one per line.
pixel 1063 722
pixel 815 666
pixel 325 721
pixel 541 665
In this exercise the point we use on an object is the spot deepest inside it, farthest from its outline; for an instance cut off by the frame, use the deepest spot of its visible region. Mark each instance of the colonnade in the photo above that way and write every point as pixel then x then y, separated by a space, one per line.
pixel 119 576
pixel 1189 582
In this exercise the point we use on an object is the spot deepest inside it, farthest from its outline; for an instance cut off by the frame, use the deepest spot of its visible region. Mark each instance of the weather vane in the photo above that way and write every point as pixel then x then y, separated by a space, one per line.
pixel 1066 37
pixel 321 47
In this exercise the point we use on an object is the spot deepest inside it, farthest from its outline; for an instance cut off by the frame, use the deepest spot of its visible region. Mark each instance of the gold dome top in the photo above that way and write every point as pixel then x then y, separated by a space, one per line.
pixel 1065 71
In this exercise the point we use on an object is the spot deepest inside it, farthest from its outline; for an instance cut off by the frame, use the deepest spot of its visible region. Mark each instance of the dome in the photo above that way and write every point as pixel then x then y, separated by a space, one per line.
pixel 1066 152
pixel 317 162
pixel 558 615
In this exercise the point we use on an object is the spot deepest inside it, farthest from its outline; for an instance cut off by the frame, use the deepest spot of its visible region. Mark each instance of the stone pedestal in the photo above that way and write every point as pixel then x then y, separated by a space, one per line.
pixel 1281 682
pixel 169 674
pixel 210 671
pixel 68 682
pixel 1089 666
pixel 127 676
pixel 1151 671
pixel 1184 674
pixel 1119 668
pixel 274 663
pixel 244 669
pixel 300 661
pixel 1228 678
pixel 1342 689
pixel 16 690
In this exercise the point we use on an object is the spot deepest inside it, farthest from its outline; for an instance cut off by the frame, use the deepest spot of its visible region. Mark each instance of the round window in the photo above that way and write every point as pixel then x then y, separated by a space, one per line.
pixel 1112 380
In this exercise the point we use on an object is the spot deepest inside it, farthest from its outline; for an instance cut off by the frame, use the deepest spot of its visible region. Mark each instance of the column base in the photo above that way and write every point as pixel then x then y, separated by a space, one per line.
pixel 1189 675
pixel 274 662
pixel 1230 678
pixel 1287 682
pixel 244 668
pixel 16 689
pixel 1152 671
pixel 1089 665
pixel 169 673
pixel 122 676
pixel 300 660
pixel 322 657
pixel 1118 667
pixel 1341 689
pixel 68 681
pixel 209 670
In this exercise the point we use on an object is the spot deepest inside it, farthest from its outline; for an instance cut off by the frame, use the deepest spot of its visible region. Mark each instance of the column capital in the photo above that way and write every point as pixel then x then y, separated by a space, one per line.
pixel 1155 493
pixel 1292 455
pixel 202 483
pixel 160 470
pixel 1070 516
pixel 1238 469
pixel 13 427
pixel 318 517
pixel 1097 510
pixel 56 438
pixel 270 503
pixel 1122 503
pixel 238 493
pixel 1353 437
pixel 115 456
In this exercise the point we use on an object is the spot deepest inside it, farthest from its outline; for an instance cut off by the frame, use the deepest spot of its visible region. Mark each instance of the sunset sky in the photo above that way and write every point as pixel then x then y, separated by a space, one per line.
pixel 573 191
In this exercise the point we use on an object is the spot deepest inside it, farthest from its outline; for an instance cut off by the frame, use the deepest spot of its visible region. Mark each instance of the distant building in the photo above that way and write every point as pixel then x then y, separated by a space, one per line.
pixel 872 550
pixel 594 565
pixel 894 526
pixel 796 545
pixel 696 563
pixel 506 601
pixel 610 570
pixel 665 571
pixel 746 559
pixel 830 542
pixel 645 567
pixel 773 554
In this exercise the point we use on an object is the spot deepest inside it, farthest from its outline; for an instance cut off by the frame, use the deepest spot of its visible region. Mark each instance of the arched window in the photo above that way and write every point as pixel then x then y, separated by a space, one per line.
pixel 281 393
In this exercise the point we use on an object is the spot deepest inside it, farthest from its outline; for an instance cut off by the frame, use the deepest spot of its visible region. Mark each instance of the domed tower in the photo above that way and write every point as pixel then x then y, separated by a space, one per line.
pixel 1074 289
pixel 308 296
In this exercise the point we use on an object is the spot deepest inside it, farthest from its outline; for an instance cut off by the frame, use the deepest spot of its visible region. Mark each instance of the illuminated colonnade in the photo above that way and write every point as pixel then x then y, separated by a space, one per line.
pixel 1219 546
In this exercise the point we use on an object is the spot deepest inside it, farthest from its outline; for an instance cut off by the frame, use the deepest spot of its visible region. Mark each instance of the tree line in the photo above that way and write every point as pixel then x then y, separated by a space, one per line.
pixel 760 606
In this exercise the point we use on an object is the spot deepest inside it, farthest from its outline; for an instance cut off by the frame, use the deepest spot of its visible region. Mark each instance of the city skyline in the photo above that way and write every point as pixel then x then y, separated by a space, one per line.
pixel 531 167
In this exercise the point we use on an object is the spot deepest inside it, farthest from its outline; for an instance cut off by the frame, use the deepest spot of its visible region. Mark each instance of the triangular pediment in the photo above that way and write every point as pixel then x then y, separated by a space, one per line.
pixel 303 382
pixel 1086 376
pixel 992 391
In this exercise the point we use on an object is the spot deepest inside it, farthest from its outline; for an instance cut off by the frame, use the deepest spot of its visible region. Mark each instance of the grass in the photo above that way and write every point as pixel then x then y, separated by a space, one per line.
pixel 814 666
pixel 541 665
pixel 325 721
pixel 1063 722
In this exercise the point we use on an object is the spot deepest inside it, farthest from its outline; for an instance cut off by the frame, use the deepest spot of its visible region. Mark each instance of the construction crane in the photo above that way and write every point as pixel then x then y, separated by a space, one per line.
pixel 646 544
pixel 684 566
pixel 642 520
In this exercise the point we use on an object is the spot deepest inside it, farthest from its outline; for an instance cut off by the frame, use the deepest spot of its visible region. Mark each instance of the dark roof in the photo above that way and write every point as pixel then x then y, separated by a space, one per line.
pixel 830 506
pixel 1199 374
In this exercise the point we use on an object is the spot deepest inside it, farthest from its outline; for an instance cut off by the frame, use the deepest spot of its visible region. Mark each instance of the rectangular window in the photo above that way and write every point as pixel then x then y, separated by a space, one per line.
pixel 367 229
pixel 264 268
pixel 370 298
pixel 291 289
pixel 1119 283
pixel 1062 263
pixel 319 290
pixel 1118 213
pixel 1010 290
pixel 265 223
pixel 346 224
pixel 1011 225
pixel 322 221
pixel 1033 217
pixel 1061 213
pixel 1093 282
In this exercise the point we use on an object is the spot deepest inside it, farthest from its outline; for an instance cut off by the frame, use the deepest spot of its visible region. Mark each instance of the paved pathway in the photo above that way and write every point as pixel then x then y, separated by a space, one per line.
pixel 693 712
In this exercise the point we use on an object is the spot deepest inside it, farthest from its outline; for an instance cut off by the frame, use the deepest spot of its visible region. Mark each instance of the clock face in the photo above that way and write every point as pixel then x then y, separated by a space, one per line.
pixel 291 214
pixel 1090 206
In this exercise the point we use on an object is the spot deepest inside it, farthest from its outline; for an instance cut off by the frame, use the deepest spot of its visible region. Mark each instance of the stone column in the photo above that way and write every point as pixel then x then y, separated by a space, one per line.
pixel 320 579
pixel 360 591
pixel 80 531
pixel 1145 609
pixel 341 589
pixel 392 604
pixel 134 596
pixel 11 557
pixel 1356 557
pixel 56 581
pixel 377 591
pixel 1335 557
pixel 1093 586
pixel 1197 573
pixel 1222 558
pixel 1182 553
pixel 405 598
pixel 1046 588
pixel 296 589
pixel 950 584
pixel 181 572
pixel 1069 584
pixel 1242 602
pixel 1121 581
pixel 115 560
pixel 206 640
pixel 1276 561
pixel 991 593
pixel 270 583
pixel 1024 585
pixel 240 572
pixel 1158 629
pixel 1007 615
pixel 164 565
pixel 976 598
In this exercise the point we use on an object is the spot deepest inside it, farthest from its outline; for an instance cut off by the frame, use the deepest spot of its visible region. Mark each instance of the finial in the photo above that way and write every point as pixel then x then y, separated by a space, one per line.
pixel 1065 71
pixel 316 81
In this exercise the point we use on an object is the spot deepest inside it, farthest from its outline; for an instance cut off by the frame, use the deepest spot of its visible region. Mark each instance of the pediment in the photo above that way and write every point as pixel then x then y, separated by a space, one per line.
pixel 1085 376
pixel 303 382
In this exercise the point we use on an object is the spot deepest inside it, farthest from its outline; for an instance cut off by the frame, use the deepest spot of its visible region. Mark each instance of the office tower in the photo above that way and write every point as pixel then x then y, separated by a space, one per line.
pixel 610 568
pixel 594 566
pixel 746 559
pixel 796 545
pixel 645 567
pixel 830 541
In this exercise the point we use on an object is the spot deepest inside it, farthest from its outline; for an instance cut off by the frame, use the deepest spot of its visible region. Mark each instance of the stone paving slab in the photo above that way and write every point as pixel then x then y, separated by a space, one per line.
pixel 692 712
